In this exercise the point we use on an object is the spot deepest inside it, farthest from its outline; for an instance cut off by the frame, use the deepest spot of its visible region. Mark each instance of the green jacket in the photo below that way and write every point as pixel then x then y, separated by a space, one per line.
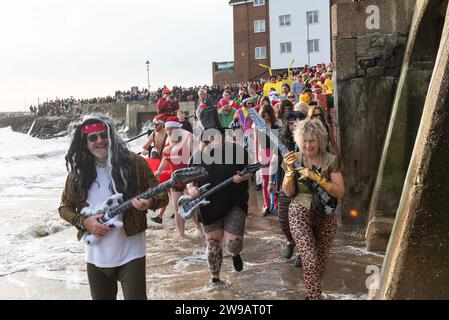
pixel 226 118
pixel 134 221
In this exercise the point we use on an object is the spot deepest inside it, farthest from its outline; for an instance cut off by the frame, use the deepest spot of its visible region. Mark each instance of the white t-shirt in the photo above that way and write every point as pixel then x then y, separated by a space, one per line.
pixel 115 248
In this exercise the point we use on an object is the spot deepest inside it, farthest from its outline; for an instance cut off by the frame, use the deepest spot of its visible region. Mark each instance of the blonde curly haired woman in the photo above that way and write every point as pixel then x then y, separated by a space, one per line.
pixel 312 231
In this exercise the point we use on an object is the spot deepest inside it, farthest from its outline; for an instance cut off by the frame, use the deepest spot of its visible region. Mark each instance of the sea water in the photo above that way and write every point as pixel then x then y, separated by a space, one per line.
pixel 36 243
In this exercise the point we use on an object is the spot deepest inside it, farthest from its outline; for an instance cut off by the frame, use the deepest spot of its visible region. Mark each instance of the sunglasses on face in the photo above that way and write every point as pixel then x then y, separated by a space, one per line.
pixel 316 115
pixel 92 138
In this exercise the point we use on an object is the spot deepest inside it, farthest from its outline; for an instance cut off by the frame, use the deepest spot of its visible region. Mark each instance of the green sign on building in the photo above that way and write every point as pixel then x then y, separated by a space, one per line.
pixel 227 66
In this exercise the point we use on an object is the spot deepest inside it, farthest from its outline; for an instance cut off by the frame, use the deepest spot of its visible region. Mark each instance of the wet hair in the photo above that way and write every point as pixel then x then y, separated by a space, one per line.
pixel 266 99
pixel 82 162
pixel 268 109
pixel 314 128
pixel 285 134
pixel 284 103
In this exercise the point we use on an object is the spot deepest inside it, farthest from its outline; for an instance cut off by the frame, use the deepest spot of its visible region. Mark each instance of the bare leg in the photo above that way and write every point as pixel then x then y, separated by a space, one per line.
pixel 180 223
pixel 199 230
pixel 162 211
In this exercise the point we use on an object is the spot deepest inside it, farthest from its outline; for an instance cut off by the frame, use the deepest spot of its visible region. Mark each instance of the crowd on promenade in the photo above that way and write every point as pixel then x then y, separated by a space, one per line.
pixel 73 107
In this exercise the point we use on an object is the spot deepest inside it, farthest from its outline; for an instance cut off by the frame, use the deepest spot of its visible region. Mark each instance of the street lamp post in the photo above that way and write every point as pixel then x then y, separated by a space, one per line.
pixel 148 74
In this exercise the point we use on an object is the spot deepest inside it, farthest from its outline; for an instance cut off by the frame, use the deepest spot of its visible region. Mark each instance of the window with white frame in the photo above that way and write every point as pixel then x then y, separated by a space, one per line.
pixel 261 53
pixel 312 17
pixel 284 20
pixel 259 26
pixel 259 3
pixel 286 47
pixel 313 45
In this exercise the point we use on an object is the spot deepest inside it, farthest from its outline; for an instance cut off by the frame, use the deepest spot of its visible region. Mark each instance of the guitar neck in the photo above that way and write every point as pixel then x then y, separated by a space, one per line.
pixel 275 140
pixel 145 195
pixel 282 148
pixel 218 187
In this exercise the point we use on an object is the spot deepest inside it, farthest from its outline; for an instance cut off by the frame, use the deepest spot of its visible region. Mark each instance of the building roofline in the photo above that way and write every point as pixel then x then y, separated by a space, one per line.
pixel 236 2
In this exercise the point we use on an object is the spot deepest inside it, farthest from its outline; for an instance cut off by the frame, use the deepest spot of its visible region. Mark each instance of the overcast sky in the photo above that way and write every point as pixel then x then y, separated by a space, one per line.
pixel 88 48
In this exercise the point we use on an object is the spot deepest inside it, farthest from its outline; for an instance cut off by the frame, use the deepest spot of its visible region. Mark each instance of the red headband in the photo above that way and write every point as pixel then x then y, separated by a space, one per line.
pixel 94 127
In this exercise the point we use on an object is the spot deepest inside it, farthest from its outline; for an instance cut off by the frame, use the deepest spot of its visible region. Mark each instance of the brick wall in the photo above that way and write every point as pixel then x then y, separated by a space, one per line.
pixel 245 41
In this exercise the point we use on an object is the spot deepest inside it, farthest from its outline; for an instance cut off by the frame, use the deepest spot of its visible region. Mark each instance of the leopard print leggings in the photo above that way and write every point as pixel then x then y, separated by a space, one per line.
pixel 313 234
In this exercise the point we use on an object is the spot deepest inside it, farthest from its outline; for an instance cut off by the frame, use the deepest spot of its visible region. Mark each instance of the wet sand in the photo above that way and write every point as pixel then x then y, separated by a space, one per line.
pixel 177 268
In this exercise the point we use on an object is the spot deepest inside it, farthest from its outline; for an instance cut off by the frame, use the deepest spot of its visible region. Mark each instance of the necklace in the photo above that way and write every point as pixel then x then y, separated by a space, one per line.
pixel 317 163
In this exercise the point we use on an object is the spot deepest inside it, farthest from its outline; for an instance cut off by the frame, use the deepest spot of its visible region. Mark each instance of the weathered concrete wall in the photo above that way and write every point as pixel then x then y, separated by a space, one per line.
pixel 416 73
pixel 39 127
pixel 416 265
pixel 368 62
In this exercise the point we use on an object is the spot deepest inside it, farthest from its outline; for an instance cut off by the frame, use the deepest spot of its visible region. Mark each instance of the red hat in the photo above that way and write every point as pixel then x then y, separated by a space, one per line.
pixel 252 86
pixel 159 119
pixel 224 101
pixel 165 90
pixel 172 122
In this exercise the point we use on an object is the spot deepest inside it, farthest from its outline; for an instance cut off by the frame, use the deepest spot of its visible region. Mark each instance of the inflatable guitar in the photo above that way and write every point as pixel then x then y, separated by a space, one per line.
pixel 114 205
pixel 188 205
pixel 328 202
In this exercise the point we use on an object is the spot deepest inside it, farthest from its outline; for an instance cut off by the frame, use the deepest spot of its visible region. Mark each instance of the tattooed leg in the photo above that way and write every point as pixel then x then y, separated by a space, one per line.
pixel 214 256
pixel 234 245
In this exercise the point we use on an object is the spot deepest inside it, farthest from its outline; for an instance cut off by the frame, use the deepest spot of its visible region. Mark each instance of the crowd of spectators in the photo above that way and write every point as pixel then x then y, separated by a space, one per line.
pixel 73 106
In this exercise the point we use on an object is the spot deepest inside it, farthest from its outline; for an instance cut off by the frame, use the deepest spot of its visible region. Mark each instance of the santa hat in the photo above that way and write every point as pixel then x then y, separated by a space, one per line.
pixel 159 119
pixel 252 86
pixel 316 88
pixel 172 122
pixel 165 90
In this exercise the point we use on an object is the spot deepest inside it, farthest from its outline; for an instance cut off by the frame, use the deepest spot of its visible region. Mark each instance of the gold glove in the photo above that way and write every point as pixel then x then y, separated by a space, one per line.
pixel 289 160
pixel 289 179
pixel 316 177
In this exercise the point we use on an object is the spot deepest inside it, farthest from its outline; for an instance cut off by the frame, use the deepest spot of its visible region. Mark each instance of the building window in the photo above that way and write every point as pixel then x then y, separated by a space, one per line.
pixel 284 20
pixel 259 3
pixel 313 45
pixel 261 53
pixel 312 17
pixel 259 26
pixel 286 47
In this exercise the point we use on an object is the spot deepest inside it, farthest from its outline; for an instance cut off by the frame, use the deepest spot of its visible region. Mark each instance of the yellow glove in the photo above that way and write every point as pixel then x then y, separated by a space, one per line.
pixel 316 177
pixel 289 179
pixel 289 160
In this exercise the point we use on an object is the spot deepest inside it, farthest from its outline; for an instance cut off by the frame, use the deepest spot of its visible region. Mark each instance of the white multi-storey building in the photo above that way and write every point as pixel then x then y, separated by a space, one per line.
pixel 300 30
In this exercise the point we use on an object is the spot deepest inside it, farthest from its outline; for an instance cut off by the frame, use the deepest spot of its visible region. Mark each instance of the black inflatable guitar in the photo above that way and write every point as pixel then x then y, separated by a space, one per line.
pixel 188 205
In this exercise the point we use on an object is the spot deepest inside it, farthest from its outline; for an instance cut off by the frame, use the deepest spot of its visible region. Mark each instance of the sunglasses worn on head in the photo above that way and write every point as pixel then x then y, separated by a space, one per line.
pixel 92 138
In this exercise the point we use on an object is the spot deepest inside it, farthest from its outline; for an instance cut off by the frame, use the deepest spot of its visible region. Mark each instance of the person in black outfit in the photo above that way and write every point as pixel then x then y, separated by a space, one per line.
pixel 185 123
pixel 223 220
